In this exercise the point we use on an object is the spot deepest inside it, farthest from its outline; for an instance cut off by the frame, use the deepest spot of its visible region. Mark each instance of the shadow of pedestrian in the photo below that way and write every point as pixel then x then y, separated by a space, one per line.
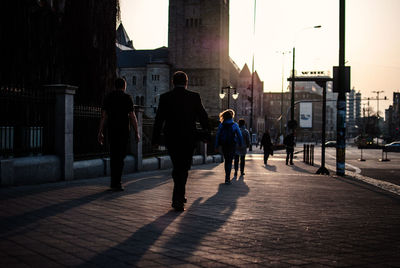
pixel 299 169
pixel 9 224
pixel 141 184
pixel 203 219
pixel 136 246
pixel 270 168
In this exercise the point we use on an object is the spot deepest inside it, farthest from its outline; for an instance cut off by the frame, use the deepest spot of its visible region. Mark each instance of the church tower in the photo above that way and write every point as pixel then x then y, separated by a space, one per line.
pixel 198 43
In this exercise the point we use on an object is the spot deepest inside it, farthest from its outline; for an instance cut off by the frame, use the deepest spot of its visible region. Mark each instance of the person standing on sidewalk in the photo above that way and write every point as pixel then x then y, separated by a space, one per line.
pixel 289 142
pixel 118 111
pixel 240 152
pixel 177 114
pixel 228 135
pixel 267 144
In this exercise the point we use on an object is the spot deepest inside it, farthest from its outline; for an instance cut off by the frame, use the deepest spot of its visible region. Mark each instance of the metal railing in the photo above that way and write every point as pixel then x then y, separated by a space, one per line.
pixel 86 126
pixel 26 122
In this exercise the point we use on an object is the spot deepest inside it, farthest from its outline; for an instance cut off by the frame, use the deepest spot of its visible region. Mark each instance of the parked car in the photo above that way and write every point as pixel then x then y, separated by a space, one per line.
pixel 330 144
pixel 394 146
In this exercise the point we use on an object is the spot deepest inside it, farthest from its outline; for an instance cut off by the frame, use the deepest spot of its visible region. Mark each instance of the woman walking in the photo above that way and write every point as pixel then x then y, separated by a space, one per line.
pixel 228 135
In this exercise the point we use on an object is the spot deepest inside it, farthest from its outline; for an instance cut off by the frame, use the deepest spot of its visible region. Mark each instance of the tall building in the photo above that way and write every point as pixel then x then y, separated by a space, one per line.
pixel 198 43
pixel 396 114
pixel 358 110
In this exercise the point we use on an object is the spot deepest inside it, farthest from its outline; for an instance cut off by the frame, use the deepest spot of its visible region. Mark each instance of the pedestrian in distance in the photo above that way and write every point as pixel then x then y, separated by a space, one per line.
pixel 267 145
pixel 289 143
pixel 176 117
pixel 241 151
pixel 228 135
pixel 118 112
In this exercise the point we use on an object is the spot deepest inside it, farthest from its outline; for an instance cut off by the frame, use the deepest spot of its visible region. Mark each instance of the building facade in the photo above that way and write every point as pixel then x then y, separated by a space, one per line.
pixel 198 44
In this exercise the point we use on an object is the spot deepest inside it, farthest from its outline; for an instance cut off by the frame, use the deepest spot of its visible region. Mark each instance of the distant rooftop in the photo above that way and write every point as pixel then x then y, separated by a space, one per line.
pixel 140 58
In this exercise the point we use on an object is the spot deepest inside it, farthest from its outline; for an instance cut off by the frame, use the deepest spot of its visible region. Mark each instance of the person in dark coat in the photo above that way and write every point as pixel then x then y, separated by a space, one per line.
pixel 267 145
pixel 289 143
pixel 177 114
pixel 241 151
pixel 118 112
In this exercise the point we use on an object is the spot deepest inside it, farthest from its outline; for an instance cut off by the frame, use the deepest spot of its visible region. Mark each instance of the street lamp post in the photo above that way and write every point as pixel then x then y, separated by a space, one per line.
pixel 283 77
pixel 293 75
pixel 252 79
pixel 235 95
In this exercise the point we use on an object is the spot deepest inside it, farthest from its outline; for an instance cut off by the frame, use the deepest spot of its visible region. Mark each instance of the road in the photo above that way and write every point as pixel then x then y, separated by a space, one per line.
pixel 372 166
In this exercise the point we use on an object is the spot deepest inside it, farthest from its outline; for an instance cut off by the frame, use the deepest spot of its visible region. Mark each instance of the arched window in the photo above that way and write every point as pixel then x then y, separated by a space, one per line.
pixel 142 100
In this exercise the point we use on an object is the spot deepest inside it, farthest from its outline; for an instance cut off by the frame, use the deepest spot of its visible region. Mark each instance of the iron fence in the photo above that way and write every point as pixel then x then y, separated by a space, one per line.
pixel 147 149
pixel 86 126
pixel 26 122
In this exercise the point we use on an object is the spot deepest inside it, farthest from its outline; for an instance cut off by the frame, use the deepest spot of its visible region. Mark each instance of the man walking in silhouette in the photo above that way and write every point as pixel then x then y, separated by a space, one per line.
pixel 118 112
pixel 176 117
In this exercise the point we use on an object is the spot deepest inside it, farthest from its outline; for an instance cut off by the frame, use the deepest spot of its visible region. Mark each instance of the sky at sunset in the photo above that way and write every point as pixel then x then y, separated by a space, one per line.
pixel 372 38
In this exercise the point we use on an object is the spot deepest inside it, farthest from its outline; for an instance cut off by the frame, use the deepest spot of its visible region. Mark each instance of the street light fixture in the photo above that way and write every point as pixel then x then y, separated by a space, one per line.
pixel 293 75
pixel 222 94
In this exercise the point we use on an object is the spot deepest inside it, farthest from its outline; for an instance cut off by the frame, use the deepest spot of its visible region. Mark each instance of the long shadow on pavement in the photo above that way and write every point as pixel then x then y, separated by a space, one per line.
pixel 14 222
pixel 142 184
pixel 203 219
pixel 136 246
pixel 200 220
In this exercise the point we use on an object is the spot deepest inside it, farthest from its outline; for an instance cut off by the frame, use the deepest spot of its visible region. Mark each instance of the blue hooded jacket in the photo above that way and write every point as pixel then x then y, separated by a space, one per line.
pixel 235 127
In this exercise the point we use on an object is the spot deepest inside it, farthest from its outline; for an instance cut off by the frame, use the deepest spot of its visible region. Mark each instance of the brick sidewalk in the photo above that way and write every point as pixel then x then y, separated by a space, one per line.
pixel 276 216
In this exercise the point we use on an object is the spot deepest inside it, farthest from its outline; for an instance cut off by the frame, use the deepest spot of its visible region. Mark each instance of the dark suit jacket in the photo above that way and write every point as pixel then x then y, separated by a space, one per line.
pixel 177 114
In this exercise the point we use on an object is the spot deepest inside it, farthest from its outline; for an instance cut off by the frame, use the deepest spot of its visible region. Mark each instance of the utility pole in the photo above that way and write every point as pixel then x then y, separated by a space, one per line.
pixel 341 103
pixel 377 101
pixel 252 83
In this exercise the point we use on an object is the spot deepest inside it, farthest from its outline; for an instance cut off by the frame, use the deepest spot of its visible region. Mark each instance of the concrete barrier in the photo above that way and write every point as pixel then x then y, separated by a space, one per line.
pixel 38 169
pixel 150 164
pixel 197 160
pixel 165 162
pixel 129 164
pixel 209 159
pixel 89 169
pixel 41 169
pixel 217 158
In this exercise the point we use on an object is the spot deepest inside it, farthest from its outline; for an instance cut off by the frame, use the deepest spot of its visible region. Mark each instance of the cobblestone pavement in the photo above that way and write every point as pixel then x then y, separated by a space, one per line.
pixel 274 216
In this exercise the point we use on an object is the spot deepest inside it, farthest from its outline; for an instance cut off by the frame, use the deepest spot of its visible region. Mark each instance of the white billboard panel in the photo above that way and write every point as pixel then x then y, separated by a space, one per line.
pixel 305 114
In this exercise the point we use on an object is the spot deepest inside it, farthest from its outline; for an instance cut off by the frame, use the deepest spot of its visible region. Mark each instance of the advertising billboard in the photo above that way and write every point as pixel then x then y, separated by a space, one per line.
pixel 305 115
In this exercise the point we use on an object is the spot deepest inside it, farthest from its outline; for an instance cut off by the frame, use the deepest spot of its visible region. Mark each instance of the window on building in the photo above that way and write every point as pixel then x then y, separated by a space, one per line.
pixel 155 89
pixel 137 101
pixel 144 80
pixel 142 100
pixel 134 80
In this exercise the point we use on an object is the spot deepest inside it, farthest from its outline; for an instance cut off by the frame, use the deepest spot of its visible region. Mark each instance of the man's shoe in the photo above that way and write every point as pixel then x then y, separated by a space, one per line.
pixel 227 181
pixel 235 174
pixel 242 173
pixel 117 189
pixel 291 163
pixel 178 206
